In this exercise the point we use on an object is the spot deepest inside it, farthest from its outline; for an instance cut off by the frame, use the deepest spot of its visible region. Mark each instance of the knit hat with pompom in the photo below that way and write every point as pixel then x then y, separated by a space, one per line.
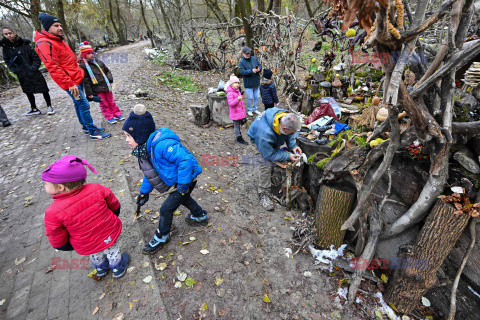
pixel 85 48
pixel 139 124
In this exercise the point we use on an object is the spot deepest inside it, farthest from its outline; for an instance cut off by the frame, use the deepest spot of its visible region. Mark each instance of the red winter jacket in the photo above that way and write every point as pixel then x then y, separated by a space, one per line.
pixel 59 59
pixel 84 217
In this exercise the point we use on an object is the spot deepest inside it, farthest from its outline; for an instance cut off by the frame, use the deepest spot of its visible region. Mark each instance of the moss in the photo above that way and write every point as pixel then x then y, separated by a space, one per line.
pixel 310 159
pixel 321 164
pixel 460 112
pixel 360 140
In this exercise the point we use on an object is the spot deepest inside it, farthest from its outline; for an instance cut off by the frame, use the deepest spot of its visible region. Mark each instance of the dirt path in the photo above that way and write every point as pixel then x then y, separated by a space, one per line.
pixel 247 263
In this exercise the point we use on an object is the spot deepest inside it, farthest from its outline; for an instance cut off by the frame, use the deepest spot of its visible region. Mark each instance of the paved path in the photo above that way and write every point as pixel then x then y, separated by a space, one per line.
pixel 30 144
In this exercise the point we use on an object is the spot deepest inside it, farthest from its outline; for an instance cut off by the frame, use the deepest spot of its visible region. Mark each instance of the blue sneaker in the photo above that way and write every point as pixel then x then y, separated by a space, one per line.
pixel 156 243
pixel 120 118
pixel 112 121
pixel 102 269
pixel 97 135
pixel 197 221
pixel 121 267
pixel 99 129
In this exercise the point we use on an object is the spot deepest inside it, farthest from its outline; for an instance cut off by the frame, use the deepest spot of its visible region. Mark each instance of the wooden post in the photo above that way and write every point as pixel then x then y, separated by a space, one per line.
pixel 201 114
pixel 416 272
pixel 333 209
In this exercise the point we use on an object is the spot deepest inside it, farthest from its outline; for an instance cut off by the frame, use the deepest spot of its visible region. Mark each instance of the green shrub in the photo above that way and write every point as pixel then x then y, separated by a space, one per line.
pixel 184 83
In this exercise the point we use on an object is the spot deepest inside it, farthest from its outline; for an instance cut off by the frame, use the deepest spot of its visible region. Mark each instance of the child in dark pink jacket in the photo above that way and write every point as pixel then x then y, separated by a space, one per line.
pixel 237 110
pixel 83 216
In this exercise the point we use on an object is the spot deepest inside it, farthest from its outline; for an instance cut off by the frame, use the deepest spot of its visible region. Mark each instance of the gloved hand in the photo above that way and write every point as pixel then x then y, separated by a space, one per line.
pixel 96 98
pixel 183 188
pixel 142 198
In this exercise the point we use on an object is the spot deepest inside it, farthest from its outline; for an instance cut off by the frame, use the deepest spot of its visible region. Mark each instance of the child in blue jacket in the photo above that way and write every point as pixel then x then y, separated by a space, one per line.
pixel 165 163
pixel 268 91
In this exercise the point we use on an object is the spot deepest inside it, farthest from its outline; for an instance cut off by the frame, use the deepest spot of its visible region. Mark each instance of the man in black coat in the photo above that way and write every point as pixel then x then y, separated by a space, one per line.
pixel 22 60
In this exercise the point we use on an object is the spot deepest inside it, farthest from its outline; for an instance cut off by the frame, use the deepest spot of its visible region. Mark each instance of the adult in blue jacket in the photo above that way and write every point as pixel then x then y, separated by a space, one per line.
pixel 165 162
pixel 249 67
pixel 270 130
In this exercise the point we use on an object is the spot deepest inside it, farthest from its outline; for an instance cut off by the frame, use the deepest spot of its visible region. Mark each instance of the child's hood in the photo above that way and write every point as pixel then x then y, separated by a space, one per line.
pixel 161 135
pixel 264 82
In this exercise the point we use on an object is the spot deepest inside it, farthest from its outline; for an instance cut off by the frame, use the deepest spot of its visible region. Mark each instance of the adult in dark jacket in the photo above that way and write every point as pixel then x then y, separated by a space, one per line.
pixel 249 67
pixel 22 60
pixel 268 91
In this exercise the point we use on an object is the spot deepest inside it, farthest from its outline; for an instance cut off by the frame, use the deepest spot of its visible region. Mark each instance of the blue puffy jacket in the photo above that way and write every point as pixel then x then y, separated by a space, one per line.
pixel 172 161
pixel 268 142
pixel 250 80
pixel 268 91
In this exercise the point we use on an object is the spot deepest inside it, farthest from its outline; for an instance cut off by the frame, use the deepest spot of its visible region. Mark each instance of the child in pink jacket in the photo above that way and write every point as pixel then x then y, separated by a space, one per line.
pixel 237 110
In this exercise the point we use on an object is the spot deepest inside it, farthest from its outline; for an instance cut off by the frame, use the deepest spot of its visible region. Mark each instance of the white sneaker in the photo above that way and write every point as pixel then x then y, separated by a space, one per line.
pixel 50 110
pixel 250 114
pixel 257 112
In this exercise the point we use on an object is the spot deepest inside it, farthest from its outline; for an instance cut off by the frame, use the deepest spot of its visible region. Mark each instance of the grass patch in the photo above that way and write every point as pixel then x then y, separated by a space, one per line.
pixel 161 59
pixel 184 83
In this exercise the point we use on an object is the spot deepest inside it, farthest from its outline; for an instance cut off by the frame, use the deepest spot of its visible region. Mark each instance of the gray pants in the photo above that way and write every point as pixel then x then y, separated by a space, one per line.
pixel 264 173
pixel 3 116
pixel 236 127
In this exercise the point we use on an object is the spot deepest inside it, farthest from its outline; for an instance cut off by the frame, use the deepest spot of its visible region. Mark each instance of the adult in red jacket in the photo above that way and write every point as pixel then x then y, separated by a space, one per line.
pixel 62 65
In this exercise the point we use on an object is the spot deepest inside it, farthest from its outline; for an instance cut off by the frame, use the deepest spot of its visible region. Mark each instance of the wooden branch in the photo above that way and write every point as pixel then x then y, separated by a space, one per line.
pixel 392 147
pixel 467 128
pixel 367 254
pixel 442 11
pixel 457 58
pixel 473 238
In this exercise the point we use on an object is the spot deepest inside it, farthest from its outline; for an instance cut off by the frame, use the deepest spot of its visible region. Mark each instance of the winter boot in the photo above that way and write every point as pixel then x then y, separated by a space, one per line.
pixel 121 267
pixel 197 221
pixel 102 269
pixel 266 202
pixel 156 243
pixel 241 141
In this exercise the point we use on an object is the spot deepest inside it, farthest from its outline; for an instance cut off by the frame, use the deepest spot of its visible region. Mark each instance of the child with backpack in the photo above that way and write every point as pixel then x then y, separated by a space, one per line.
pixel 268 91
pixel 165 163
pixel 98 82
pixel 235 103
pixel 83 216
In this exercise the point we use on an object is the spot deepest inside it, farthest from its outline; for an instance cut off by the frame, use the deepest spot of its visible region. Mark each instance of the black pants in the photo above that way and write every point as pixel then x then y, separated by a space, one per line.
pixel 268 106
pixel 31 99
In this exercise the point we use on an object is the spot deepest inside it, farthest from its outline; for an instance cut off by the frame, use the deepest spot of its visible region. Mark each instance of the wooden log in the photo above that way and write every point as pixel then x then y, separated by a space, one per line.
pixel 201 114
pixel 219 110
pixel 333 209
pixel 418 271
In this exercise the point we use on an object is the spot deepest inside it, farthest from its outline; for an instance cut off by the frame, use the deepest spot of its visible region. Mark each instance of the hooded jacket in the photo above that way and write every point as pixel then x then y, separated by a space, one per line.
pixel 268 91
pixel 22 60
pixel 262 133
pixel 237 110
pixel 172 161
pixel 250 80
pixel 59 59
pixel 101 86
pixel 85 218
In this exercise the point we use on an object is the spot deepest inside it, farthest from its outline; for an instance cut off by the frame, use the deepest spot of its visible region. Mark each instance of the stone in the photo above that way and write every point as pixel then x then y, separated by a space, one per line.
pixel 219 109
pixel 467 160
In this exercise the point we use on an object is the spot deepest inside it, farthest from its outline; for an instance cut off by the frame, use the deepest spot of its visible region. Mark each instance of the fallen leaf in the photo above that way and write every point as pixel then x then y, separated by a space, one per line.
pixel 17 262
pixel 384 278
pixel 204 251
pixel 119 316
pixel 132 283
pixel 218 281
pixel 189 282
pixel 426 302
pixel 2 302
pixel 178 284
pixel 307 274
pixel 266 299
pixel 146 264
pixel 101 296
pixel 52 267
pixel 161 266
pixel 181 276
pixel 147 279
pixel 204 306
pixel 378 314
pixel 95 311
pixel 131 306
pixel 177 212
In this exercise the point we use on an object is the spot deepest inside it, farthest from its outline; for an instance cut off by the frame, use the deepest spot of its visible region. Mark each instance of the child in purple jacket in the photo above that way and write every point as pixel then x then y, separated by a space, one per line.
pixel 237 110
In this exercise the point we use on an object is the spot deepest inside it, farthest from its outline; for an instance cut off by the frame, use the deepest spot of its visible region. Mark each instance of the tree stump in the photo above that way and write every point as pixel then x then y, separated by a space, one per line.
pixel 333 209
pixel 416 270
pixel 219 109
pixel 201 114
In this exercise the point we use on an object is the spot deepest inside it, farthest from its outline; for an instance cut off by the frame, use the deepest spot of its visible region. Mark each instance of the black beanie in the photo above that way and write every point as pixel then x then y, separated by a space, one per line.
pixel 139 124
pixel 47 20
pixel 267 74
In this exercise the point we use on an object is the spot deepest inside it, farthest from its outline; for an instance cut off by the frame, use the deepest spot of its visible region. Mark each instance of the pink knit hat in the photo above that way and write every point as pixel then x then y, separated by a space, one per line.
pixel 233 79
pixel 67 169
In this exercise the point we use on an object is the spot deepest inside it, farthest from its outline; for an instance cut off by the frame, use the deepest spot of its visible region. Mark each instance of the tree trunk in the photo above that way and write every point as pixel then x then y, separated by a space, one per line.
pixel 66 29
pixel 277 6
pixel 245 7
pixel 34 12
pixel 261 5
pixel 149 31
pixel 437 237
pixel 6 77
pixel 333 208
pixel 309 9
pixel 169 28
pixel 201 114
